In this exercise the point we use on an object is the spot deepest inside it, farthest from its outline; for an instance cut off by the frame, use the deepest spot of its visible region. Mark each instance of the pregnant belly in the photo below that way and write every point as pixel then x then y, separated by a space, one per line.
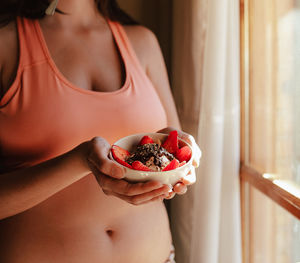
pixel 81 224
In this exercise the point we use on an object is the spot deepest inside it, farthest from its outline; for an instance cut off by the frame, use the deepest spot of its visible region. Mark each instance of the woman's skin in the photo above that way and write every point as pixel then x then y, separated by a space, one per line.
pixel 55 211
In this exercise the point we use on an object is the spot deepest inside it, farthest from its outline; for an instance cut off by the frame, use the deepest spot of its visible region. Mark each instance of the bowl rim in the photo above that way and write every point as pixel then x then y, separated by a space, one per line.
pixel 152 172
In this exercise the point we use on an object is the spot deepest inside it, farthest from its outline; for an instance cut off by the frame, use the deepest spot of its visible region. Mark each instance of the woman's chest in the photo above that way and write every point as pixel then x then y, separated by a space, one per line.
pixel 77 93
pixel 51 117
pixel 91 63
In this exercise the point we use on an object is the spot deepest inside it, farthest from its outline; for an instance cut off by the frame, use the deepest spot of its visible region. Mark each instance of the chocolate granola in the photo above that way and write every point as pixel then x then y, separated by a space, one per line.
pixel 153 152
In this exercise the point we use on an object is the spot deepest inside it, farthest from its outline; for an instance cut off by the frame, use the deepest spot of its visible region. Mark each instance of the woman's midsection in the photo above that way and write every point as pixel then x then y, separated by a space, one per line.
pixel 81 224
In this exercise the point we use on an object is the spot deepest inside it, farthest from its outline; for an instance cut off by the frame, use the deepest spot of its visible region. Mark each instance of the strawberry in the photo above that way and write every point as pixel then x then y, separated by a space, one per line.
pixel 137 165
pixel 172 165
pixel 171 143
pixel 182 163
pixel 184 154
pixel 120 155
pixel 145 140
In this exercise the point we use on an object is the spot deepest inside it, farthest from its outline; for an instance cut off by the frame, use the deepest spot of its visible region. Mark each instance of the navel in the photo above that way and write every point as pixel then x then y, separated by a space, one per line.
pixel 109 232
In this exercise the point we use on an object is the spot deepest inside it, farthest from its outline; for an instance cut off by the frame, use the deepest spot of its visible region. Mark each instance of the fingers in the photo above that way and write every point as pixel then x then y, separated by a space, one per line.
pixel 157 194
pixel 125 188
pixel 180 188
pixel 170 195
pixel 133 193
pixel 98 156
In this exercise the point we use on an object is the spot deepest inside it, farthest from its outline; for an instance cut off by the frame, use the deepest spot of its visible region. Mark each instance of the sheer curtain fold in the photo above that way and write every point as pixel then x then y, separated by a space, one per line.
pixel 205 78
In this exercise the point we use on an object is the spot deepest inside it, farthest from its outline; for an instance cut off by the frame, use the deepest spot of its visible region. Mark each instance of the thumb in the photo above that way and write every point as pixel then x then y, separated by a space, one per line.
pixel 98 156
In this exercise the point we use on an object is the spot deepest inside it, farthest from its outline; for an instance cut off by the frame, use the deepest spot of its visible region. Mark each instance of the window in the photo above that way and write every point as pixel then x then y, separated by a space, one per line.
pixel 270 60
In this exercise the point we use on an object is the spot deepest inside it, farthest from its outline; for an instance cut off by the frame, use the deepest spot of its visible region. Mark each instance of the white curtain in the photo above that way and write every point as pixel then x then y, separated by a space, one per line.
pixel 205 78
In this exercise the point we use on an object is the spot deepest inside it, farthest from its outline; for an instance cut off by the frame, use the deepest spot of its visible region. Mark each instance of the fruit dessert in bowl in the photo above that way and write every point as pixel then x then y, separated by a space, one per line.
pixel 153 156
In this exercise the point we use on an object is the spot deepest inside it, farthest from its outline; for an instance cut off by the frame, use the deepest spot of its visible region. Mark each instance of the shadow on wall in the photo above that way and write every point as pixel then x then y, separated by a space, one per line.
pixel 157 16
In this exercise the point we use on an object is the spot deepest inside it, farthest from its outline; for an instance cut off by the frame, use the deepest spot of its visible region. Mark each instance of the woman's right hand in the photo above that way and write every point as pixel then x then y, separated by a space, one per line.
pixel 110 177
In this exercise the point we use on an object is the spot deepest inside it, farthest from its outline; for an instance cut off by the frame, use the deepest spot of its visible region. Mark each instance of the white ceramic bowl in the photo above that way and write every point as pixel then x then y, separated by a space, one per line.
pixel 171 177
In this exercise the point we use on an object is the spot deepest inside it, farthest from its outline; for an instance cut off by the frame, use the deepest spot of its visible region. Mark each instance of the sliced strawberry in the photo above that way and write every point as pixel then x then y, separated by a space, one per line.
pixel 145 140
pixel 124 163
pixel 120 155
pixel 184 154
pixel 137 165
pixel 171 143
pixel 172 165
pixel 182 163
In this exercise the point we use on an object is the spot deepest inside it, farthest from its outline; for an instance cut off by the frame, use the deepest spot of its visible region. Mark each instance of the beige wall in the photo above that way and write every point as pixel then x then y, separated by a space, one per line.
pixel 156 15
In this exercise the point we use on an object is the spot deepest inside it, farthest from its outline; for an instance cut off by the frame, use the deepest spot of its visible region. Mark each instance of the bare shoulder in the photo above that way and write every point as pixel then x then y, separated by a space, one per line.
pixel 144 42
pixel 8 55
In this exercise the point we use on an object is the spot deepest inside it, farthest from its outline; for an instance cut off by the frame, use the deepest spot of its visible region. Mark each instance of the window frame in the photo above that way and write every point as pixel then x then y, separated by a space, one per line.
pixel 250 177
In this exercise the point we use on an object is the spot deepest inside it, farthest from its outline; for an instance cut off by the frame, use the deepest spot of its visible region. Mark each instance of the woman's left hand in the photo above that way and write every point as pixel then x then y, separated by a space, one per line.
pixel 190 178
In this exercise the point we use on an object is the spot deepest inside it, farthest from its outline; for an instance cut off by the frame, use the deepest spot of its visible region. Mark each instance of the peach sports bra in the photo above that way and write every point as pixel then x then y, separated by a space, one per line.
pixel 43 115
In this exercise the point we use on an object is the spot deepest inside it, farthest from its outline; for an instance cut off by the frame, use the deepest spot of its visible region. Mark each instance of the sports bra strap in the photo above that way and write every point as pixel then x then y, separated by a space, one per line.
pixel 30 46
pixel 124 44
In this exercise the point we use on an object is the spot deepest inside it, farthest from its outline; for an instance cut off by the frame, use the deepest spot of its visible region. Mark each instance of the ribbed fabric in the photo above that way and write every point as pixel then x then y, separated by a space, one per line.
pixel 44 115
